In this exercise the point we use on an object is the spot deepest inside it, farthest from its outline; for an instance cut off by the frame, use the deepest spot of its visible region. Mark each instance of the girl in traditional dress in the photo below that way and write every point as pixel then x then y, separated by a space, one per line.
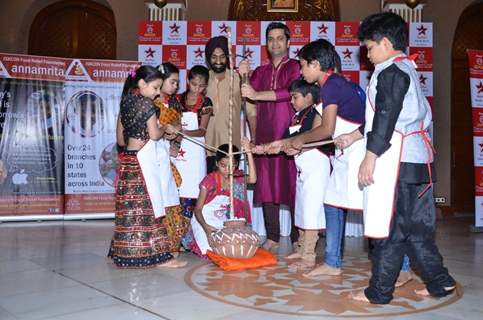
pixel 142 236
pixel 212 207
pixel 191 159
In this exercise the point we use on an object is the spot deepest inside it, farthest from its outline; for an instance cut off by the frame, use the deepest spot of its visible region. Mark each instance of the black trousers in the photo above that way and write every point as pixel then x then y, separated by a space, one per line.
pixel 271 217
pixel 411 233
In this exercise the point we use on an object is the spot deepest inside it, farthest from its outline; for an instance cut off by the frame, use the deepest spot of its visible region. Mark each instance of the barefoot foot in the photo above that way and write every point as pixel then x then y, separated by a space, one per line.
pixel 293 256
pixel 172 264
pixel 358 295
pixel 323 270
pixel 425 293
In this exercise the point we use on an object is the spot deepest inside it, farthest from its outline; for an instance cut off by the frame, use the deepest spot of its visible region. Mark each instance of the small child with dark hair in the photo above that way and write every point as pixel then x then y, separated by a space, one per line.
pixel 212 207
pixel 313 166
pixel 196 110
pixel 396 173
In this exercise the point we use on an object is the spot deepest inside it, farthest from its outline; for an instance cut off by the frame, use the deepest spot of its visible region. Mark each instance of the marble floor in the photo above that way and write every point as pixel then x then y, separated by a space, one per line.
pixel 58 270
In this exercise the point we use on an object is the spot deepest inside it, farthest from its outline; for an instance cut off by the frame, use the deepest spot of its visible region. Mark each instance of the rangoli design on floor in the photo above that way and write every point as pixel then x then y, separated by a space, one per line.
pixel 279 289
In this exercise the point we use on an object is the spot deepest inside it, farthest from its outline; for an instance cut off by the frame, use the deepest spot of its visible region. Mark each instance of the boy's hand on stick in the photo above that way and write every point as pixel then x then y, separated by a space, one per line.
pixel 296 142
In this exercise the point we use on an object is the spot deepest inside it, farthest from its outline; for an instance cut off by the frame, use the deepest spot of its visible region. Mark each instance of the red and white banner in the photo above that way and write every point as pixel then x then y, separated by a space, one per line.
pixel 475 60
pixel 183 43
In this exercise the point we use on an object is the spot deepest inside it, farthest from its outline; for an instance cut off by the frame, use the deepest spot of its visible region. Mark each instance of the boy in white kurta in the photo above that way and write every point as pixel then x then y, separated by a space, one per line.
pixel 399 212
pixel 313 172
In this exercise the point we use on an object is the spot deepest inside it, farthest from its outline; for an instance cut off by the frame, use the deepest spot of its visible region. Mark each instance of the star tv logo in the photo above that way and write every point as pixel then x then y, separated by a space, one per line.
pixel 347 54
pixel 248 54
pixel 223 28
pixel 422 79
pixel 149 52
pixel 181 153
pixel 198 53
pixel 174 28
pixel 296 52
pixel 479 86
pixel 422 30
pixel 323 28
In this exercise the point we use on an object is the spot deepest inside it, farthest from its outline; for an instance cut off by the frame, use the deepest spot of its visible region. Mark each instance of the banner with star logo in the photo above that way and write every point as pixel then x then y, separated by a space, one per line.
pixel 183 43
pixel 475 64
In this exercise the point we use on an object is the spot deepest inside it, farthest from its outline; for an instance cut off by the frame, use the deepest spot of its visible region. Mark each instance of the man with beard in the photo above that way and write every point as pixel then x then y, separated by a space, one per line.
pixel 218 90
pixel 268 87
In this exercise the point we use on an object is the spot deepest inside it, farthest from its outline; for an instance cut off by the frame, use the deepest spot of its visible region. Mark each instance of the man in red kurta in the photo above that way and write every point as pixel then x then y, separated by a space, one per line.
pixel 268 87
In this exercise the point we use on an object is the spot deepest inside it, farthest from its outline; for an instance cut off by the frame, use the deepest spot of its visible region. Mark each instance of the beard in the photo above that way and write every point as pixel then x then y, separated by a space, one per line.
pixel 218 68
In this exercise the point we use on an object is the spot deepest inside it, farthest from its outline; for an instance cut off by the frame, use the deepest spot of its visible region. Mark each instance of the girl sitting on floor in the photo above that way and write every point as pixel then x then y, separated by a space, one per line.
pixel 212 207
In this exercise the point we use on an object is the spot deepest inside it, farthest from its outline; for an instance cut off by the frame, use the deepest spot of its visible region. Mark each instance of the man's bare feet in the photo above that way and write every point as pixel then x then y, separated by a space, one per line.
pixel 425 293
pixel 358 295
pixel 172 264
pixel 324 269
pixel 293 256
pixel 404 277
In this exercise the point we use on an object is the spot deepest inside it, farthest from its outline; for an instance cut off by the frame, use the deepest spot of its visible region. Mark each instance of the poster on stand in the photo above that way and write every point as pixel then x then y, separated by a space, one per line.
pixel 31 135
pixel 92 93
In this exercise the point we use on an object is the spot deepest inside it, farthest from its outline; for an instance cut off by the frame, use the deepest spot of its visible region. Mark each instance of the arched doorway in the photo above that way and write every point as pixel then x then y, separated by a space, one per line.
pixel 74 28
pixel 468 35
